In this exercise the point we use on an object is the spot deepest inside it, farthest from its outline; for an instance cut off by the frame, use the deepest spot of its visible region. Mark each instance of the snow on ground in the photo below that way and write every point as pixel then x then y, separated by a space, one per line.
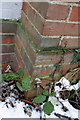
pixel 18 111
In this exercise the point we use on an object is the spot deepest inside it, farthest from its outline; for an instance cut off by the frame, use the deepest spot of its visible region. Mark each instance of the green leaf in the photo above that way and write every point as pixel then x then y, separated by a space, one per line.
pixel 45 92
pixel 52 94
pixel 39 99
pixel 1 80
pixel 20 72
pixel 19 86
pixel 26 83
pixel 9 76
pixel 48 108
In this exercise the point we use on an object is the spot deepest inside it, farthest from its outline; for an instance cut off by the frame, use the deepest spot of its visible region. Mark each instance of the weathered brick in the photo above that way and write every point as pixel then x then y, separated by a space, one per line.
pixel 48 58
pixel 20 62
pixel 75 15
pixel 41 7
pixel 42 71
pixel 61 28
pixel 57 12
pixel 7 58
pixel 6 39
pixel 71 43
pixel 8 27
pixel 49 43
pixel 25 58
pixel 6 48
pixel 68 57
pixel 66 67
pixel 33 16
pixel 37 38
pixel 46 81
pixel 30 29
pixel 25 40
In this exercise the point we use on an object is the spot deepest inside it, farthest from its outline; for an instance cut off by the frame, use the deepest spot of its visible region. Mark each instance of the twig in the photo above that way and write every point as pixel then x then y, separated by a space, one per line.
pixel 63 107
pixel 28 102
pixel 8 84
pixel 62 116
pixel 73 74
pixel 51 85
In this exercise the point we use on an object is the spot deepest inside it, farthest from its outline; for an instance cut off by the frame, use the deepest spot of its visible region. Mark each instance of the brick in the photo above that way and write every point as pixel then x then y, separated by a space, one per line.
pixel 75 14
pixel 7 27
pixel 71 43
pixel 42 71
pixel 27 61
pixel 49 43
pixel 25 58
pixel 48 58
pixel 41 7
pixel 25 40
pixel 6 39
pixel 66 67
pixel 60 28
pixel 7 58
pixel 57 12
pixel 41 43
pixel 28 27
pixel 68 57
pixel 46 81
pixel 6 48
pixel 34 17
pixel 20 63
pixel 19 58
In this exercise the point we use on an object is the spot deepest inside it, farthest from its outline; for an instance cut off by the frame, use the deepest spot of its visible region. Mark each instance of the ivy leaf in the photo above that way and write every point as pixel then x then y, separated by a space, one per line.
pixel 19 86
pixel 52 94
pixel 48 108
pixel 45 92
pixel 20 72
pixel 9 76
pixel 26 83
pixel 39 99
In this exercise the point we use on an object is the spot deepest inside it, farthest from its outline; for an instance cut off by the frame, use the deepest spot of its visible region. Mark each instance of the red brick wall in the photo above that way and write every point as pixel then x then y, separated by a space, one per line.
pixel 7 44
pixel 45 26
pixel 57 21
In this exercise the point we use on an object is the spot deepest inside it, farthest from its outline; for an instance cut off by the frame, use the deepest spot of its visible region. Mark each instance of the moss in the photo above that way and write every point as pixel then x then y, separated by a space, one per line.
pixel 30 39
pixel 11 21
pixel 36 47
pixel 54 51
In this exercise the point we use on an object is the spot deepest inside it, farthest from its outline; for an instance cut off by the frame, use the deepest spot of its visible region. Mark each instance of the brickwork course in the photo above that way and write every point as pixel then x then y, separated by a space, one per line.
pixel 7 43
pixel 45 29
